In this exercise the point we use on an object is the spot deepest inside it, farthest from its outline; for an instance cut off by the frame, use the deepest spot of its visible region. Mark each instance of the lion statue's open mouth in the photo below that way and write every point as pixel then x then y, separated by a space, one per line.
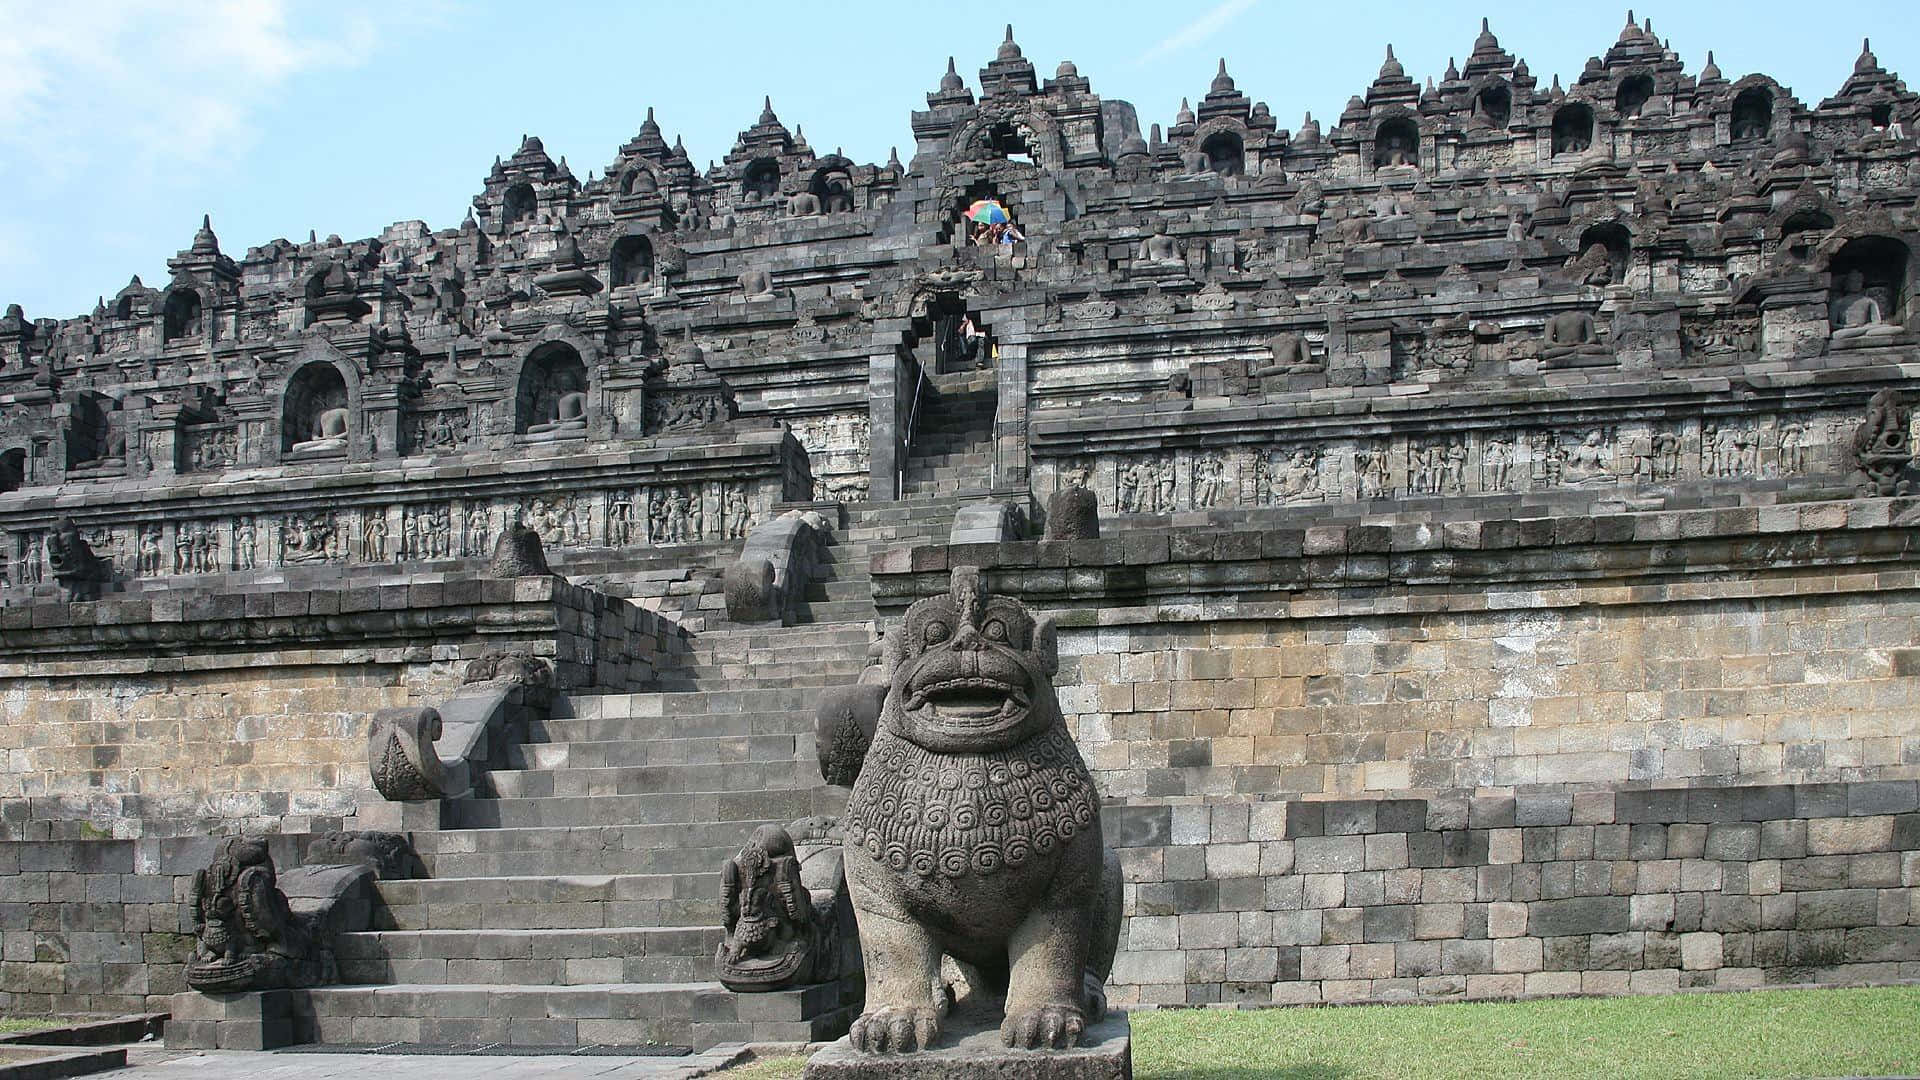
pixel 963 703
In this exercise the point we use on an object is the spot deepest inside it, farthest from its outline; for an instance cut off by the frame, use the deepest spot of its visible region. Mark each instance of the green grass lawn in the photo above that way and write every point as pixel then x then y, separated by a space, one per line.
pixel 1796 1033
pixel 10 1024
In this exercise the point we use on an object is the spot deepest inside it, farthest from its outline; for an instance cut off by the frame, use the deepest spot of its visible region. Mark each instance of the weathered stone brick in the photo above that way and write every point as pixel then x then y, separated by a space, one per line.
pixel 1578 915
pixel 1845 836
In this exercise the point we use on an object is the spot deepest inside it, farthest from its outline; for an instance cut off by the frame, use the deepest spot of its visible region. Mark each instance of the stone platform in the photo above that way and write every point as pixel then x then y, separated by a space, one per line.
pixel 970 1049
pixel 260 1020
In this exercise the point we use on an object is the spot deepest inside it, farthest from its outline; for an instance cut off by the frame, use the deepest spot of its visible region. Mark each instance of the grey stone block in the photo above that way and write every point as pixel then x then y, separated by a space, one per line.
pixel 1578 915
pixel 1733 842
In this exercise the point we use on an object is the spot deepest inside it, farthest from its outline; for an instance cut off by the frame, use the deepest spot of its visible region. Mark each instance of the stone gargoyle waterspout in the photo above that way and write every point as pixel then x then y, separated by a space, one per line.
pixel 247 937
pixel 785 911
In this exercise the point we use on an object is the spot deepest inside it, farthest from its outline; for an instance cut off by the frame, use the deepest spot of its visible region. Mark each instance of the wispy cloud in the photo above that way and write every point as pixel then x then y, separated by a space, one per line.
pixel 150 85
pixel 110 107
pixel 1208 24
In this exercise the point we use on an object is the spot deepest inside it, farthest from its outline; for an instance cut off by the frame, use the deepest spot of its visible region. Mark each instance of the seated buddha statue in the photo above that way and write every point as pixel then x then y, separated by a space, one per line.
pixel 1289 355
pixel 329 432
pixel 569 417
pixel 1571 341
pixel 1159 249
pixel 1855 313
pixel 756 285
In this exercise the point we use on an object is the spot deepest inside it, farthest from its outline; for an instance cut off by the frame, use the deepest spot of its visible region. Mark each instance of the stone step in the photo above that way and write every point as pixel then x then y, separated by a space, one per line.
pixel 796 720
pixel 980 483
pixel 947 438
pixel 948 463
pixel 667 858
pixel 618 954
pixel 573 780
pixel 588 842
pixel 787 637
pixel 870 512
pixel 956 479
pixel 686 751
pixel 698 1014
pixel 811 683
pixel 769 672
pixel 840 611
pixel 880 529
pixel 781 804
pixel 549 902
pixel 670 704
pixel 933 474
pixel 841 589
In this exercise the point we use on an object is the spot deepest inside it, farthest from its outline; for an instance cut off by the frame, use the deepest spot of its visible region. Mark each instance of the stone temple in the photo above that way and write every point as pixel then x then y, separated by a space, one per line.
pixel 1476 527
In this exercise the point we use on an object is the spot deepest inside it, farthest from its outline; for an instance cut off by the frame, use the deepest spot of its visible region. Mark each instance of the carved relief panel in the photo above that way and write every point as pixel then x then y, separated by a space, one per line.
pixel 442 430
pixel 477 538
pixel 1289 475
pixel 196 548
pixel 246 542
pixel 426 532
pixel 1437 466
pixel 1145 485
pixel 208 447
pixel 308 537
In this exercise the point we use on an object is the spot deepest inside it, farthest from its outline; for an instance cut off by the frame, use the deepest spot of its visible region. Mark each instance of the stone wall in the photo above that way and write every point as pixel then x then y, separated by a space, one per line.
pixel 1599 892
pixel 1569 754
pixel 1382 658
pixel 184 715
pixel 100 926
pixel 1803 687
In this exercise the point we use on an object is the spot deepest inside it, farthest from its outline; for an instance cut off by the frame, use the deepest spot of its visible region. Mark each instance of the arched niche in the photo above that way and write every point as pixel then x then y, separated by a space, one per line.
pixel 519 205
pixel 1493 105
pixel 1802 230
pixel 180 317
pixel 832 184
pixel 90 432
pixel 1572 129
pixel 552 397
pixel 761 180
pixel 638 181
pixel 631 262
pixel 1613 242
pixel 1752 115
pixel 956 227
pixel 1006 140
pixel 1633 94
pixel 1396 142
pixel 1869 286
pixel 13 469
pixel 1881 116
pixel 316 285
pixel 316 410
pixel 1224 153
pixel 123 307
pixel 1013 131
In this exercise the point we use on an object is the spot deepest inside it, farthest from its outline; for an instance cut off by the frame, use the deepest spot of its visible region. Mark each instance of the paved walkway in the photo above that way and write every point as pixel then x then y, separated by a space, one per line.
pixel 155 1063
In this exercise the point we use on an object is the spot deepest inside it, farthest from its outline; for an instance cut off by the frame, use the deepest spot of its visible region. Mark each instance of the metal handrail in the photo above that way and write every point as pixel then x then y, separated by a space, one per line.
pixel 913 414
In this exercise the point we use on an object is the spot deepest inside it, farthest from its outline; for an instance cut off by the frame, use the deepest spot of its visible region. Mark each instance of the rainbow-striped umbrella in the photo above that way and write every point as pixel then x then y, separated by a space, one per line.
pixel 988 212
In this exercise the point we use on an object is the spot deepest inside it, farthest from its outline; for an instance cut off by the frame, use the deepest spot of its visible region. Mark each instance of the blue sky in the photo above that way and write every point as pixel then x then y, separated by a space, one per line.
pixel 122 121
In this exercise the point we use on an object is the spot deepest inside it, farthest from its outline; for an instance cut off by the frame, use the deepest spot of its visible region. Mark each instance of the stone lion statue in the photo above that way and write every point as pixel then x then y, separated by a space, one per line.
pixel 973 833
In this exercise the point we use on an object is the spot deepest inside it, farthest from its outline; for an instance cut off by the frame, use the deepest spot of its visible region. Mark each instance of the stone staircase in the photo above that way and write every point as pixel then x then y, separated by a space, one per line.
pixel 952 451
pixel 574 899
